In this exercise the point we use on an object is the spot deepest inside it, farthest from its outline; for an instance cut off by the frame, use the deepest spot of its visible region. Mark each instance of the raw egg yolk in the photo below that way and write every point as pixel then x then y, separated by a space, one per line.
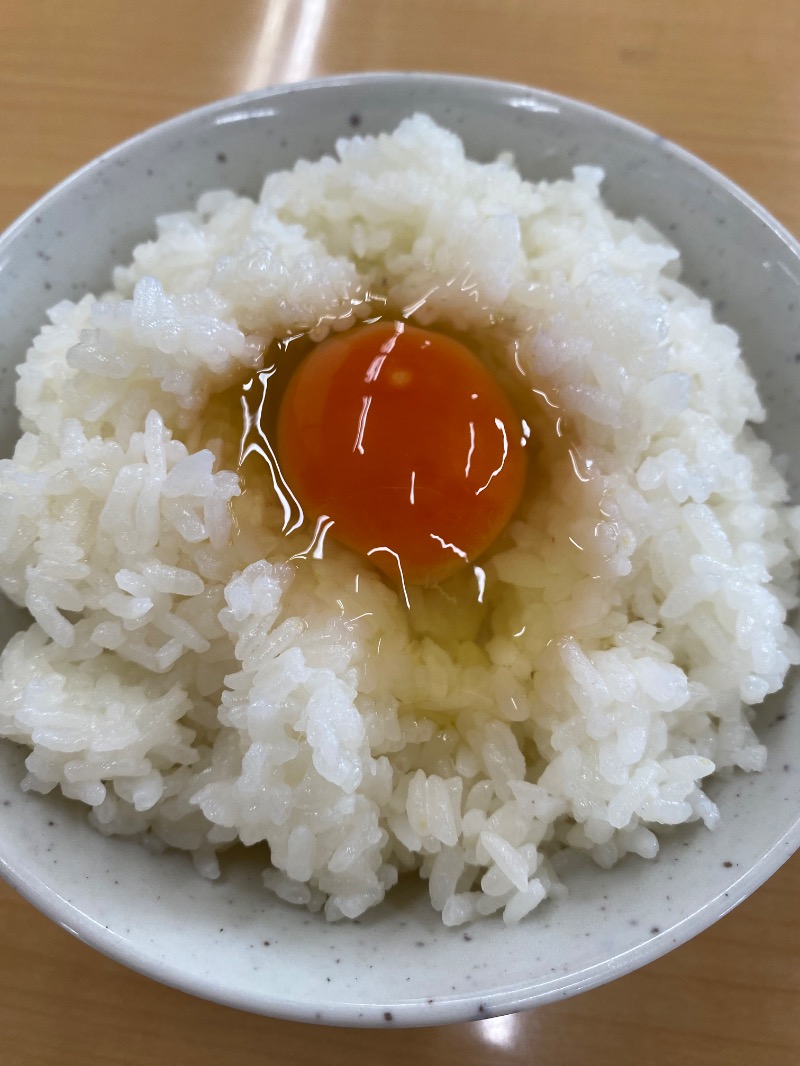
pixel 407 442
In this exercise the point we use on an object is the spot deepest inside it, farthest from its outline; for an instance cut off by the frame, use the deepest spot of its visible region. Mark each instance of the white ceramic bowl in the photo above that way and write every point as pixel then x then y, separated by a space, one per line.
pixel 228 940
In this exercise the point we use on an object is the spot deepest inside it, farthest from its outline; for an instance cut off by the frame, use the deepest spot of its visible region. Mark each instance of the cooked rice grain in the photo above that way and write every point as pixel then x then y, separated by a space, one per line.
pixel 196 689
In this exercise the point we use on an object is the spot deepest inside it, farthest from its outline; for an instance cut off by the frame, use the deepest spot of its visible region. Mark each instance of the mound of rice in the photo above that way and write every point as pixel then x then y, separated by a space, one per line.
pixel 196 689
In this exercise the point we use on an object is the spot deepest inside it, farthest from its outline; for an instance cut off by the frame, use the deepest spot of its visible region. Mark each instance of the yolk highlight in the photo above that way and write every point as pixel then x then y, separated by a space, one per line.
pixel 406 441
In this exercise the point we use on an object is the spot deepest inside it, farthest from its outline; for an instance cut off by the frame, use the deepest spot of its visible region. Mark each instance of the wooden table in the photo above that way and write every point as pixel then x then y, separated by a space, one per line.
pixel 720 77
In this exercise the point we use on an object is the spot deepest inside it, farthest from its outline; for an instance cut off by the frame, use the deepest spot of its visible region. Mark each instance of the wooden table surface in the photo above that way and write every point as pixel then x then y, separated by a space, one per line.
pixel 720 77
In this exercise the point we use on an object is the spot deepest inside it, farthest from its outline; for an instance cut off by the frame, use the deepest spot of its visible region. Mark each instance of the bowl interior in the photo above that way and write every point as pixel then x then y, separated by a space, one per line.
pixel 228 940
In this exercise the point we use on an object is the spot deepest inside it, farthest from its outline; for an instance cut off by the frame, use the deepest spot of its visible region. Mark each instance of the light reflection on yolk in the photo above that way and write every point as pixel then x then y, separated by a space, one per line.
pixel 406 443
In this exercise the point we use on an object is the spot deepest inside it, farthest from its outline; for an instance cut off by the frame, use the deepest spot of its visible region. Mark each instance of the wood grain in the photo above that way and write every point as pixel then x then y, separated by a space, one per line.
pixel 719 77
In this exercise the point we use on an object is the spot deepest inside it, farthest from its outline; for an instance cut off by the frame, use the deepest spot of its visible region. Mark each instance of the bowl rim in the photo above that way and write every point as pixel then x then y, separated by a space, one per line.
pixel 459 1007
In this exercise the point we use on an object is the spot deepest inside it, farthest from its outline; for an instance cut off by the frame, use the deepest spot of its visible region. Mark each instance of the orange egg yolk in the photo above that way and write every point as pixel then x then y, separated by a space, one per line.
pixel 407 442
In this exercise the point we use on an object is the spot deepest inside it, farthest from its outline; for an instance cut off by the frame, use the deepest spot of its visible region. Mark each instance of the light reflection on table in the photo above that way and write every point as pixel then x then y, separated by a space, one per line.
pixel 287 42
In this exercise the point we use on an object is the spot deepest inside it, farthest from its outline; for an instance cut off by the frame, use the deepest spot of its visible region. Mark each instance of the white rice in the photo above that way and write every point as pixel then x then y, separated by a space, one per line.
pixel 195 689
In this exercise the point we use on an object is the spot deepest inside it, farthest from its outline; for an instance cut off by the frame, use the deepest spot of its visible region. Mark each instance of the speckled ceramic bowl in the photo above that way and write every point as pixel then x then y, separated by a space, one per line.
pixel 228 940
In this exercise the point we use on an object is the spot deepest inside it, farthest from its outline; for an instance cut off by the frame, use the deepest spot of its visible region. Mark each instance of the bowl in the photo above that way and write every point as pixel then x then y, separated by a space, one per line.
pixel 227 940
